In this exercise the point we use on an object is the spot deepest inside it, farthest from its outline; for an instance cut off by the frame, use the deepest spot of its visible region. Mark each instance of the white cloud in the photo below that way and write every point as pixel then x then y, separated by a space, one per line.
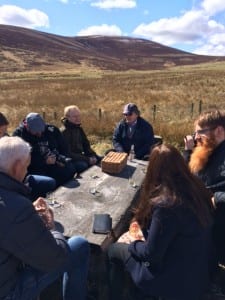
pixel 172 30
pixel 215 45
pixel 14 15
pixel 108 4
pixel 207 49
pixel 109 30
pixel 213 6
pixel 194 27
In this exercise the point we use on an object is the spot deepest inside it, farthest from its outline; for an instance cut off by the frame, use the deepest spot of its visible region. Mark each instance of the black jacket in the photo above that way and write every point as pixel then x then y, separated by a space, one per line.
pixel 79 147
pixel 50 141
pixel 173 262
pixel 24 239
pixel 213 176
pixel 142 139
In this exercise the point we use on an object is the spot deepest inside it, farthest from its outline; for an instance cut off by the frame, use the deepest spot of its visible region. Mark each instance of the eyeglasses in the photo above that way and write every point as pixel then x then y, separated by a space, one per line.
pixel 203 131
pixel 128 114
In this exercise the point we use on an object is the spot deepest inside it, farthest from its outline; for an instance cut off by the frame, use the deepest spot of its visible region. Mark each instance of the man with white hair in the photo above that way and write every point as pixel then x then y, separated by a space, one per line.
pixel 32 253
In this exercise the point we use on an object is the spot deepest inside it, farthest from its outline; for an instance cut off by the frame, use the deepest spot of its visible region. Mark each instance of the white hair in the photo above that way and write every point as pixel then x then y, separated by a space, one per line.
pixel 12 149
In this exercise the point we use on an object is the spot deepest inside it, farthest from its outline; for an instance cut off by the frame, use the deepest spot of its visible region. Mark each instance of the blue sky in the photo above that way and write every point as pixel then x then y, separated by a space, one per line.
pixel 196 26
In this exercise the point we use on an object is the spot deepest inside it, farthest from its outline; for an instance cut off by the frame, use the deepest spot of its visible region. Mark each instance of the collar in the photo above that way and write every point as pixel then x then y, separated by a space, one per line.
pixel 9 183
pixel 68 124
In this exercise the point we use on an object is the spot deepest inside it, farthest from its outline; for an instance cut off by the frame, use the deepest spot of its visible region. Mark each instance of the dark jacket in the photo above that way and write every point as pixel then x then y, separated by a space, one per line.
pixel 51 139
pixel 142 139
pixel 78 145
pixel 24 239
pixel 174 260
pixel 213 176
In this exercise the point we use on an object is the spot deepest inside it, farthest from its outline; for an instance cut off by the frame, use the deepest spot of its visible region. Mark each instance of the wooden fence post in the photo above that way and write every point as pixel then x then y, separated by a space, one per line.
pixel 200 107
pixel 154 112
pixel 99 114
pixel 192 109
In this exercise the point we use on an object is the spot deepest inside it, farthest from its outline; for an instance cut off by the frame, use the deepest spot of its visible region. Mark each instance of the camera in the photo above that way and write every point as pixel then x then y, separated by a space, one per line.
pixel 62 159
pixel 195 142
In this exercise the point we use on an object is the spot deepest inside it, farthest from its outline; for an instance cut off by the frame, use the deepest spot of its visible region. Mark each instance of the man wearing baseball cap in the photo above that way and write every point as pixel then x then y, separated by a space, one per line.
pixel 49 151
pixel 133 130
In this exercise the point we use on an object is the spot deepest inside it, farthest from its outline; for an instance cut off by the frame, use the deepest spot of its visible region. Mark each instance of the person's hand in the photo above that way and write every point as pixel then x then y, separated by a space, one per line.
pixel 189 142
pixel 92 160
pixel 45 212
pixel 51 159
pixel 133 234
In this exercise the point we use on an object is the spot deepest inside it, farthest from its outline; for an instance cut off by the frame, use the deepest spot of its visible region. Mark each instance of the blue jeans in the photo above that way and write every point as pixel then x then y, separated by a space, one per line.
pixel 40 185
pixel 33 281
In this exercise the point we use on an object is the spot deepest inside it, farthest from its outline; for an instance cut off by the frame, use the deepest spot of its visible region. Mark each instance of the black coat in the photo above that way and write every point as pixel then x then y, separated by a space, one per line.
pixel 213 176
pixel 50 141
pixel 173 262
pixel 79 147
pixel 24 239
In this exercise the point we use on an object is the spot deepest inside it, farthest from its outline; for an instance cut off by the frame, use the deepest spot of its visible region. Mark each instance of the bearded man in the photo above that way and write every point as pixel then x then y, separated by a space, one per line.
pixel 205 151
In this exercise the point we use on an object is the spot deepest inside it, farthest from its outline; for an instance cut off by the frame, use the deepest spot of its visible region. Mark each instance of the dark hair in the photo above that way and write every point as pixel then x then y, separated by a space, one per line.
pixel 3 120
pixel 169 182
pixel 211 119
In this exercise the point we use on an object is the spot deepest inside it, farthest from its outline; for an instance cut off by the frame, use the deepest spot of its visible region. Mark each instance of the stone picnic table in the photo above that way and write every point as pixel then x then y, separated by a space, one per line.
pixel 96 192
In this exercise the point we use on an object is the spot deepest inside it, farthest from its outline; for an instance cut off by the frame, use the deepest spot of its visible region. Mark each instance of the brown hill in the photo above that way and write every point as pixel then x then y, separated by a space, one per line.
pixel 25 49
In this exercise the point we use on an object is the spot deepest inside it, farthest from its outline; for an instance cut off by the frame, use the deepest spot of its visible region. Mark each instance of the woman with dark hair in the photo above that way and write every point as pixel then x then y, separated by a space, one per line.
pixel 175 215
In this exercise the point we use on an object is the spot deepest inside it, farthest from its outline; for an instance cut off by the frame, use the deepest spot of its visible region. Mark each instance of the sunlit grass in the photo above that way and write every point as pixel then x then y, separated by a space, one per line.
pixel 169 99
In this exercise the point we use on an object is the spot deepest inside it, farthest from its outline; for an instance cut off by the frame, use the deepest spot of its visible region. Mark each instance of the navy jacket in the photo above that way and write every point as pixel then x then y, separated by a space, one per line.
pixel 174 260
pixel 142 139
pixel 24 239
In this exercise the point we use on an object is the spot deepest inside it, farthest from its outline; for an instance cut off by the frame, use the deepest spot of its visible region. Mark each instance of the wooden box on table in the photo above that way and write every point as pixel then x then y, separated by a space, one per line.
pixel 114 162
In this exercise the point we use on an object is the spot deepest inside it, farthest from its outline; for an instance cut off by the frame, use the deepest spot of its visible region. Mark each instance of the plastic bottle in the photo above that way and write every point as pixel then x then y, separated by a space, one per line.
pixel 131 154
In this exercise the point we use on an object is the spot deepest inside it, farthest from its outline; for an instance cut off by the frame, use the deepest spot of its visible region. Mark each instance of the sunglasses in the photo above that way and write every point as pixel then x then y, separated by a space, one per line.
pixel 203 131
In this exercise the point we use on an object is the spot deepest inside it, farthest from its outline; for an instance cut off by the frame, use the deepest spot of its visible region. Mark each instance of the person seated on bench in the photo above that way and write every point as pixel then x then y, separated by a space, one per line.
pixel 79 146
pixel 38 185
pixel 32 253
pixel 175 215
pixel 133 130
pixel 49 155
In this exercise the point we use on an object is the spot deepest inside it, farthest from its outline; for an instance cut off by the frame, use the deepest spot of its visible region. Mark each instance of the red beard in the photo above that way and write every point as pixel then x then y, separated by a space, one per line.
pixel 201 154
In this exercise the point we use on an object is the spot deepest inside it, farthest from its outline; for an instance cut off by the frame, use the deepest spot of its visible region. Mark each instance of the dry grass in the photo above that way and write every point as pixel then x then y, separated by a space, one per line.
pixel 101 96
